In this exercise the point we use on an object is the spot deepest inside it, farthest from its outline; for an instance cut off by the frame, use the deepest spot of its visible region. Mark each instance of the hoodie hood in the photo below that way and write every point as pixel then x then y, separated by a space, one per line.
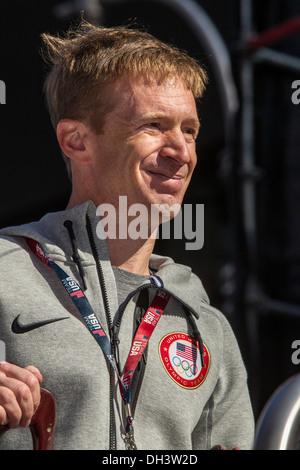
pixel 52 234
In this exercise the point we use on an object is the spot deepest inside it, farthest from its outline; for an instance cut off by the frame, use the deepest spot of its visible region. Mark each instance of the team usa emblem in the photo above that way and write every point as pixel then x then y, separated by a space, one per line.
pixel 180 356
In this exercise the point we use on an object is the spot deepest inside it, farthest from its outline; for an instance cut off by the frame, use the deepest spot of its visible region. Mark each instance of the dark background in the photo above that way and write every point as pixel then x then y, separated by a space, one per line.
pixel 252 274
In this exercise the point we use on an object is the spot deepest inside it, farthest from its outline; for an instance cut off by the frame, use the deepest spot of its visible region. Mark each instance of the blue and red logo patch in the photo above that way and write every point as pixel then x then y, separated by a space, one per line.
pixel 180 356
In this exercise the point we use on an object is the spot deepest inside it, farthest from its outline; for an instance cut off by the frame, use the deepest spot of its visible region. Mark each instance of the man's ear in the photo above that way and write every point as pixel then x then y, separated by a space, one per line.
pixel 71 136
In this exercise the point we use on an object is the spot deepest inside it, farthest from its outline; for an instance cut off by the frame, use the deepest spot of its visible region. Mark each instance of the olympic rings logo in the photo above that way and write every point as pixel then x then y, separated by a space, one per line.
pixel 183 367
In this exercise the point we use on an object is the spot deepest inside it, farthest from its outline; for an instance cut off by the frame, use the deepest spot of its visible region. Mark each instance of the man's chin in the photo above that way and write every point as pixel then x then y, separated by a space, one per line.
pixel 164 208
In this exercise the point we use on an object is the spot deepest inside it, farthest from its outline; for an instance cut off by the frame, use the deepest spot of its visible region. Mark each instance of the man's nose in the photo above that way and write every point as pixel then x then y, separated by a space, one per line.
pixel 177 147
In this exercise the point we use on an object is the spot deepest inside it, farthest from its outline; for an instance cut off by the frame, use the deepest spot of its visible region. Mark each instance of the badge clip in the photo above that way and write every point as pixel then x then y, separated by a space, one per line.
pixel 129 436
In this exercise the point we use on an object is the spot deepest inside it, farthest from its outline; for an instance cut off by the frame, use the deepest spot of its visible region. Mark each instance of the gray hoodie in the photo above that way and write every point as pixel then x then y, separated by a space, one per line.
pixel 179 403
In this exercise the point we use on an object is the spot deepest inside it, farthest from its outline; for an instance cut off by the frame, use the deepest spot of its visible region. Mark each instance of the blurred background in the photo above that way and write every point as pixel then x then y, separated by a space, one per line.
pixel 248 173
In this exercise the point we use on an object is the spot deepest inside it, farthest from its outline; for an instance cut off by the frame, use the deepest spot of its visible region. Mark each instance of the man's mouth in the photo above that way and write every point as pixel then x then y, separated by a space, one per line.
pixel 165 182
pixel 164 175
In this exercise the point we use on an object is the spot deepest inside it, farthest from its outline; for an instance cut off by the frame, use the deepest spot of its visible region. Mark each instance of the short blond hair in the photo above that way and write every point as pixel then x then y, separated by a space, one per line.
pixel 88 58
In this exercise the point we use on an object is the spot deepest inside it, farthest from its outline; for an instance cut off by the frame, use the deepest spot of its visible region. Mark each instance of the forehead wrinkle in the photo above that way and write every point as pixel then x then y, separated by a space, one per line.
pixel 130 107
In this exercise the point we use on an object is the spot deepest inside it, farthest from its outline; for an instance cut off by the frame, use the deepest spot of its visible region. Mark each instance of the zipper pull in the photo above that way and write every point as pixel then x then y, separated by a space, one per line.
pixel 115 335
pixel 115 345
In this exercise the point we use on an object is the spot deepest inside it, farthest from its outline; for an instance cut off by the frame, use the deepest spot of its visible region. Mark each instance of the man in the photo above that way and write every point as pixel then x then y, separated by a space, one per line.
pixel 124 108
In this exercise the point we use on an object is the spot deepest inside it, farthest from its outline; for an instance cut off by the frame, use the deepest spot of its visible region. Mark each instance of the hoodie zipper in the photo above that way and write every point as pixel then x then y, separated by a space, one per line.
pixel 112 424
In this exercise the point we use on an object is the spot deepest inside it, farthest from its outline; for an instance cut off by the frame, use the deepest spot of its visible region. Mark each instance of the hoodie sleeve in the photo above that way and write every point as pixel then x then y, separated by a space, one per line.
pixel 227 419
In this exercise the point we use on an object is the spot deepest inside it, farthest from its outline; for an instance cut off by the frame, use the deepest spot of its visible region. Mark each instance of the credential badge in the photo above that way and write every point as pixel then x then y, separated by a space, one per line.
pixel 180 356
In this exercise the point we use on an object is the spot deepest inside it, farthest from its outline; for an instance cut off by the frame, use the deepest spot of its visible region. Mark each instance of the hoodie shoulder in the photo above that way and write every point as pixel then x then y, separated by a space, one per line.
pixel 10 242
pixel 51 232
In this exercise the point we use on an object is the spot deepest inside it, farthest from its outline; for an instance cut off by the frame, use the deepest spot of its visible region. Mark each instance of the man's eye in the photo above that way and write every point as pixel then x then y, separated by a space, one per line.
pixel 153 124
pixel 191 134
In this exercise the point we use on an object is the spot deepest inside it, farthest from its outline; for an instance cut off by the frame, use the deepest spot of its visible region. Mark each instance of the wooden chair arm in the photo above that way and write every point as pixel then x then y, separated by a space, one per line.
pixel 42 425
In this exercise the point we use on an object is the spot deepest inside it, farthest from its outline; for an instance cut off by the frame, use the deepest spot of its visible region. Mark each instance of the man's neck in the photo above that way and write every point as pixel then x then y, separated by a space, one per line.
pixel 131 255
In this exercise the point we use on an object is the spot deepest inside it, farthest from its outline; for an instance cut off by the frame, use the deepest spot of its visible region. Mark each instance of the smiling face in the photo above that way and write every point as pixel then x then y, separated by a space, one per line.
pixel 146 149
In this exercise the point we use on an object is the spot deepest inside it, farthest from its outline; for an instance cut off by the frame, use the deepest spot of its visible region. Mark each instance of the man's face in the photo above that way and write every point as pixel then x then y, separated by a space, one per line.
pixel 146 150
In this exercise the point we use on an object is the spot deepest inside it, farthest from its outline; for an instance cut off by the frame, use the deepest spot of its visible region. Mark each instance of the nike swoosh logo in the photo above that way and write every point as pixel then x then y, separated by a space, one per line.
pixel 19 329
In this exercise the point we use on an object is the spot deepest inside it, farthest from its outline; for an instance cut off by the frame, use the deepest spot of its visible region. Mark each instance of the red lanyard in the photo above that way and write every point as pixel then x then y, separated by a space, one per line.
pixel 142 336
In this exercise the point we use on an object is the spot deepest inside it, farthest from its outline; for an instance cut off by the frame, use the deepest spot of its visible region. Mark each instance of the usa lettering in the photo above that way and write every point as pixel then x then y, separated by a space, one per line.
pixel 70 285
pixel 72 288
pixel 137 347
pixel 93 321
pixel 151 318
